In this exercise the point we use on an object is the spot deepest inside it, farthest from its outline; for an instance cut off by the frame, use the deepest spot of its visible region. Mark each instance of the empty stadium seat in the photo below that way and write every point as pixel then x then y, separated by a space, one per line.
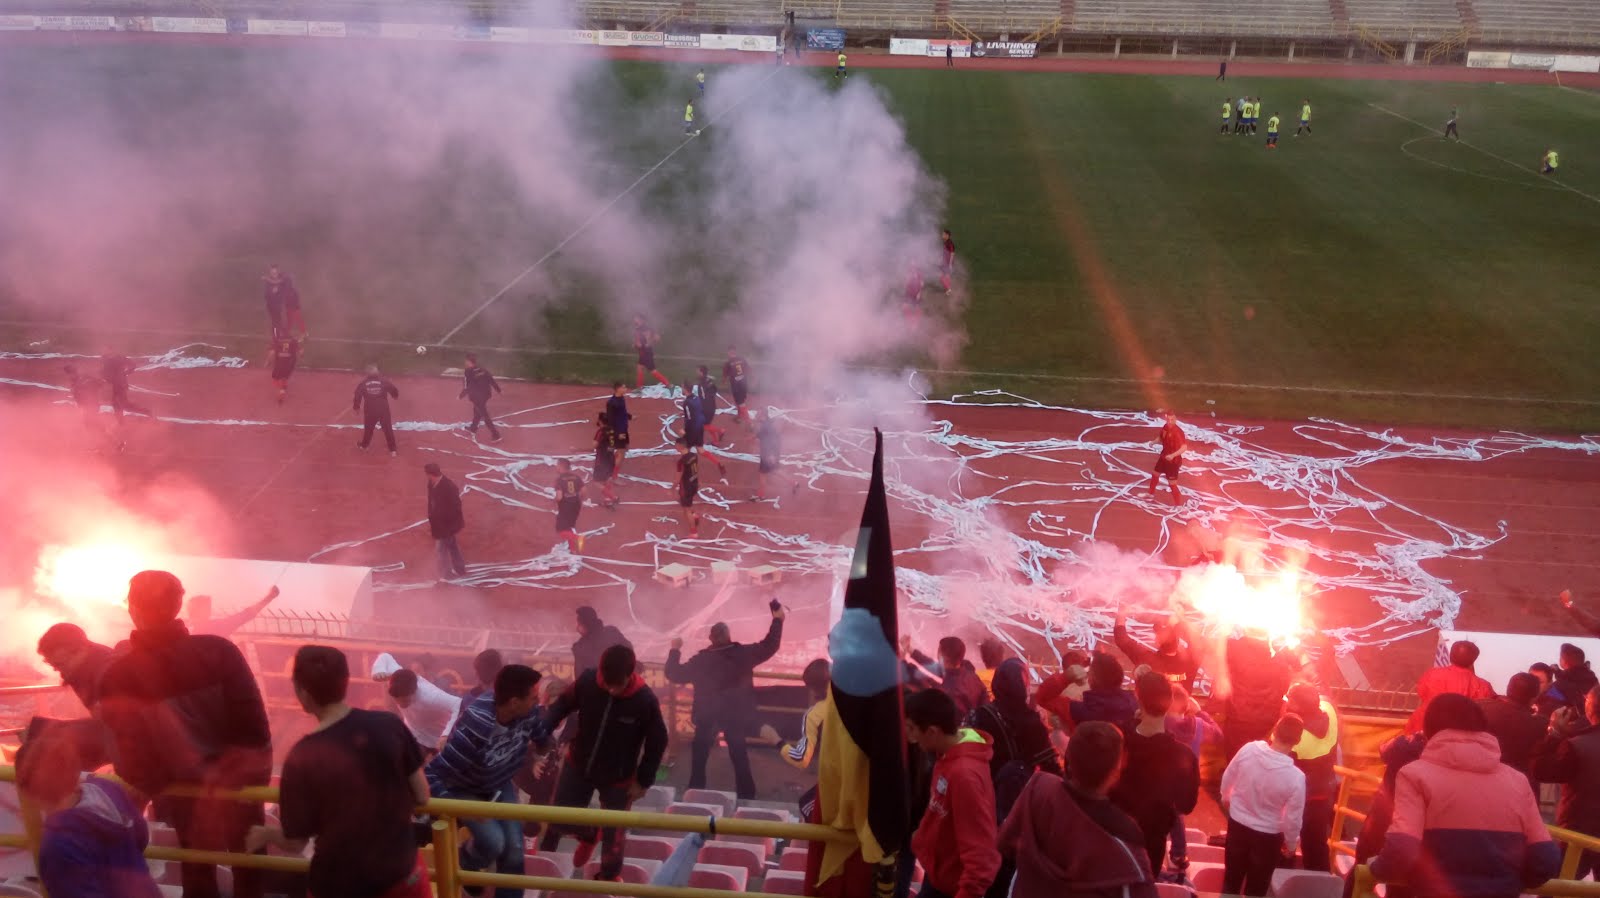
pixel 566 895
pixel 735 854
pixel 793 859
pixel 694 810
pixel 1305 884
pixel 1165 890
pixel 765 844
pixel 727 801
pixel 1197 837
pixel 656 798
pixel 1206 877
pixel 1205 854
pixel 716 876
pixel 164 836
pixel 634 870
pixel 547 865
pixel 772 814
pixel 651 848
pixel 786 882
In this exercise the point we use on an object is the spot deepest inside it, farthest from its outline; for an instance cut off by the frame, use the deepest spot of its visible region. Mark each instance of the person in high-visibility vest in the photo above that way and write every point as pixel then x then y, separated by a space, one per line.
pixel 1227 114
pixel 840 72
pixel 1552 161
pixel 1316 754
pixel 700 79
pixel 688 119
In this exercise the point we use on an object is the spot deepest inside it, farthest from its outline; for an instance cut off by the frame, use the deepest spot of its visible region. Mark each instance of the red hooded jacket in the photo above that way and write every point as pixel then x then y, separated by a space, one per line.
pixel 956 841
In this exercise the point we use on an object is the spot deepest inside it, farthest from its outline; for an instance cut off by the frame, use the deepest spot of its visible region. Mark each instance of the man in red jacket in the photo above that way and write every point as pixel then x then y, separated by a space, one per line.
pixel 1458 678
pixel 956 840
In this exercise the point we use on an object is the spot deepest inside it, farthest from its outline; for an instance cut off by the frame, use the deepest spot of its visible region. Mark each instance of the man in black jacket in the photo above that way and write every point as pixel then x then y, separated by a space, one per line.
pixel 445 520
pixel 616 753
pixel 1515 721
pixel 594 637
pixel 114 371
pixel 476 386
pixel 1570 755
pixel 724 697
pixel 79 660
pixel 186 709
pixel 372 397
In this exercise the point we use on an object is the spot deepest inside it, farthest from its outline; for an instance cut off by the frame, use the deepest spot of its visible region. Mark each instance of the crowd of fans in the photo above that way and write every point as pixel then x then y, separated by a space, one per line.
pixel 1079 785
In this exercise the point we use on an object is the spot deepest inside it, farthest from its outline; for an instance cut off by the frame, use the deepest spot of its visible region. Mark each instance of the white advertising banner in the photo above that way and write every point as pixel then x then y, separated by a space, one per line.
pixel 647 38
pixel 758 43
pixel 325 29
pixel 683 41
pixel 1577 64
pixel 958 49
pixel 278 27
pixel 93 23
pixel 508 34
pixel 399 31
pixel 908 46
pixel 18 23
pixel 613 38
pixel 184 25
pixel 1486 59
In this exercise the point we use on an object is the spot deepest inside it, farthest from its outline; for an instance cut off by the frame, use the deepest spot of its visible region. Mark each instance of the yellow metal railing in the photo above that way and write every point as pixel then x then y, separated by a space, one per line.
pixel 1449 44
pixel 1371 39
pixel 447 875
pixel 1574 844
pixel 1047 30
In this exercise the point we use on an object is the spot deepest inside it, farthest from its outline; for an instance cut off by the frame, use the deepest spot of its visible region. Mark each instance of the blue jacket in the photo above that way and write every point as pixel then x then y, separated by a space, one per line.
pixel 95 849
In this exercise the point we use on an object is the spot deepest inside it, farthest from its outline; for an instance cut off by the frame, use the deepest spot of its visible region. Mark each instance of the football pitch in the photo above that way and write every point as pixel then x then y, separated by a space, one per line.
pixel 1115 249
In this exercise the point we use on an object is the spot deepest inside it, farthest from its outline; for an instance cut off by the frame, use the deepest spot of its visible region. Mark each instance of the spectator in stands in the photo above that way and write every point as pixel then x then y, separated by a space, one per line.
pixel 724 697
pixel 991 652
pixel 1193 728
pixel 202 623
pixel 1316 754
pixel 94 837
pixel 186 709
pixel 1068 838
pixel 957 836
pixel 67 649
pixel 594 637
pixel 1550 697
pixel 1105 699
pixel 1570 755
pixel 1160 778
pixel 1465 825
pixel 1573 677
pixel 1395 753
pixel 1059 690
pixel 1264 795
pixel 485 666
pixel 488 746
pixel 1457 677
pixel 952 673
pixel 353 785
pixel 1021 746
pixel 1589 621
pixel 817 676
pixel 1515 722
pixel 1171 657
pixel 1256 682
pixel 621 737
pixel 429 712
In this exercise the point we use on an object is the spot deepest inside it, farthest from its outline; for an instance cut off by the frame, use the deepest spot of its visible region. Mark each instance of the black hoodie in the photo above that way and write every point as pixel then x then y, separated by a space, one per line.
pixel 612 731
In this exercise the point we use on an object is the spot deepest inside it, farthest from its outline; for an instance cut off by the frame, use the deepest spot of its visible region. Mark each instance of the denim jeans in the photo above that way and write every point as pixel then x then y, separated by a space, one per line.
pixel 496 845
pixel 451 564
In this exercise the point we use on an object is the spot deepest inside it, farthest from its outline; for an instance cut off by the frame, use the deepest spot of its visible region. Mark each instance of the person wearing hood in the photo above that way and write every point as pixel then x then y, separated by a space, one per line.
pixel 1067 839
pixel 952 673
pixel 1465 825
pixel 723 675
pixel 1573 677
pixel 956 840
pixel 1105 698
pixel 1172 657
pixel 186 709
pixel 1570 755
pixel 1021 746
pixel 79 660
pixel 594 637
pixel 621 737
pixel 1263 795
pixel 93 841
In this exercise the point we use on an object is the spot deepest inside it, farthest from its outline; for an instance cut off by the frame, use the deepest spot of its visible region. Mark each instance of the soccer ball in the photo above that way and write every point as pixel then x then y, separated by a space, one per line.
pixel 422 350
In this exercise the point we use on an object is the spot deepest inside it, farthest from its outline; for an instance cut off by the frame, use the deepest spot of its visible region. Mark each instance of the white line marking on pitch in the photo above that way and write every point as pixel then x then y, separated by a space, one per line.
pixel 1432 130
pixel 599 213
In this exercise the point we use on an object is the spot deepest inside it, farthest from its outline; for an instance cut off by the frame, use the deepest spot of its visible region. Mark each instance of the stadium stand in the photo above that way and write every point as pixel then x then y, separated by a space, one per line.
pixel 1288 18
pixel 1406 19
pixel 887 14
pixel 1550 22
pixel 993 16
pixel 736 12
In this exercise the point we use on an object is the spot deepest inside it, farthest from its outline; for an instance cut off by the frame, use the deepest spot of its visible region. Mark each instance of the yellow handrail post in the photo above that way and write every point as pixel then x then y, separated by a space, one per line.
pixel 446 859
pixel 32 827
pixel 1336 832
pixel 1569 861
pixel 1362 886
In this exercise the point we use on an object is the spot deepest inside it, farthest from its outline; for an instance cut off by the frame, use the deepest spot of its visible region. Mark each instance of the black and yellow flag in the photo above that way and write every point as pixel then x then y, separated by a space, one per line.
pixel 861 785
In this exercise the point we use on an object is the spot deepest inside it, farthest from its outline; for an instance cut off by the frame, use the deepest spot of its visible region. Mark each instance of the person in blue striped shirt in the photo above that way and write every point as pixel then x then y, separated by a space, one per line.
pixel 491 742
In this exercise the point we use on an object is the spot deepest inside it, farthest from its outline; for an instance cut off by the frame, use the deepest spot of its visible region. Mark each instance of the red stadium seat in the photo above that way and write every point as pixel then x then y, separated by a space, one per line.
pixel 1206 877
pixel 635 871
pixel 695 810
pixel 794 859
pixel 716 876
pixel 548 865
pixel 772 814
pixel 653 848
pixel 785 882
pixel 734 854
pixel 727 801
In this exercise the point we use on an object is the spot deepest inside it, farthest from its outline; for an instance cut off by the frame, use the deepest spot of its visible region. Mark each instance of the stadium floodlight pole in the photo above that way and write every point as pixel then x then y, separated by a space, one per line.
pixel 596 215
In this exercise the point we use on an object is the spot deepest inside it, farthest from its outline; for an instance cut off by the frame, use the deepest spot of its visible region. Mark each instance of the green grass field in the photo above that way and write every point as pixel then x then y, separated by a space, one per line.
pixel 1366 271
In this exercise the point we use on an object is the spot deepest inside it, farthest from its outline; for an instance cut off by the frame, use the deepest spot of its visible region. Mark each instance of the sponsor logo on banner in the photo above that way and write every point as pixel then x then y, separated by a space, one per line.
pixel 757 43
pixel 281 27
pixel 683 41
pixel 438 32
pixel 508 34
pixel 580 36
pixel 18 23
pixel 613 38
pixel 647 39
pixel 181 25
pixel 825 39
pixel 133 23
pixel 399 31
pixel 1009 49
pixel 908 46
pixel 1566 63
pixel 718 42
pixel 1483 59
pixel 93 23
pixel 362 29
pixel 325 29
pixel 959 49
pixel 1532 61
pixel 54 23
pixel 470 33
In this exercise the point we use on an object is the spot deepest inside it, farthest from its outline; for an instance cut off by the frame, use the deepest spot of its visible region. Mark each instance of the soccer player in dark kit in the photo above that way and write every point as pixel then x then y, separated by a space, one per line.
pixel 569 501
pixel 618 417
pixel 372 396
pixel 911 302
pixel 282 359
pixel 476 386
pixel 605 460
pixel 85 390
pixel 114 370
pixel 688 485
pixel 644 344
pixel 706 386
pixel 283 302
pixel 694 428
pixel 737 372
pixel 1173 444
pixel 771 458
pixel 947 264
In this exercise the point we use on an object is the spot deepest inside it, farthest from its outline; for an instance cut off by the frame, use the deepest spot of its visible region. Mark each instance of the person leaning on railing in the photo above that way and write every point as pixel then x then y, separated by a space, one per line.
pixel 353 784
